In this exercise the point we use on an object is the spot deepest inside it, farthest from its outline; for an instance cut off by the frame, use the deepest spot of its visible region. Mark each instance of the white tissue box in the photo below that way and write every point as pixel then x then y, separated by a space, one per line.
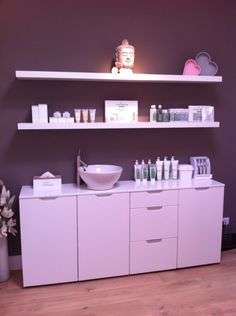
pixel 47 183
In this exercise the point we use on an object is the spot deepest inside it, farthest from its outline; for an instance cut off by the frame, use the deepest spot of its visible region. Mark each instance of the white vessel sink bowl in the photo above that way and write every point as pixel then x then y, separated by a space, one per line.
pixel 100 177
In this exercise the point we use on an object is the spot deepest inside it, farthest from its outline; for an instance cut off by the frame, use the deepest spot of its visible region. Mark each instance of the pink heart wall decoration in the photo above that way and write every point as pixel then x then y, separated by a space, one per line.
pixel 191 68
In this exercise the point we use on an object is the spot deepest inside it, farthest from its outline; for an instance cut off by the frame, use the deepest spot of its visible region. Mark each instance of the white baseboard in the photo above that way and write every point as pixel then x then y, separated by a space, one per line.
pixel 15 262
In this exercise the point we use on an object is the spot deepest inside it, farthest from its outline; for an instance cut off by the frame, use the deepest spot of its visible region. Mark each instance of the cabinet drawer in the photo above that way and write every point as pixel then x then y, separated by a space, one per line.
pixel 153 255
pixel 153 198
pixel 153 222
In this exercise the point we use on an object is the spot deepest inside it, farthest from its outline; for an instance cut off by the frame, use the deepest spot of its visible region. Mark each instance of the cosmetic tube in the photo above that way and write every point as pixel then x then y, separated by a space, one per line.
pixel 144 172
pixel 92 114
pixel 159 165
pixel 85 115
pixel 174 168
pixel 137 172
pixel 152 172
pixel 77 115
pixel 166 169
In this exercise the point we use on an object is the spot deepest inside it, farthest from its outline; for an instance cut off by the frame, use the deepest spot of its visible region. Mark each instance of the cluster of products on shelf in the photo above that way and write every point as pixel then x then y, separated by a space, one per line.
pixel 194 113
pixel 85 115
pixel 199 168
pixel 40 115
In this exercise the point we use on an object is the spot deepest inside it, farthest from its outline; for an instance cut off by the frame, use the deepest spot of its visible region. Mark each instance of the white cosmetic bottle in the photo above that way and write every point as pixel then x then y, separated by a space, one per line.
pixel 153 114
pixel 137 172
pixel 159 166
pixel 144 172
pixel 174 168
pixel 166 169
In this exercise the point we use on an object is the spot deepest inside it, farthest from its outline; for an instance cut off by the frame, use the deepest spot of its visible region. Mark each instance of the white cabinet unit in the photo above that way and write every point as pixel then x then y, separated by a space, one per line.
pixel 48 239
pixel 153 230
pixel 80 234
pixel 200 226
pixel 103 235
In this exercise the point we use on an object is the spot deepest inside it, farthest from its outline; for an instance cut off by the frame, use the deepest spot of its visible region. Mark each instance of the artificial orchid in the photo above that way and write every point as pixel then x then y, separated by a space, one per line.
pixel 7 224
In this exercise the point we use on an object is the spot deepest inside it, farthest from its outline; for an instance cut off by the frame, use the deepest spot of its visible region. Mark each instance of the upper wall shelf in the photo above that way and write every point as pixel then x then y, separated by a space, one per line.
pixel 96 76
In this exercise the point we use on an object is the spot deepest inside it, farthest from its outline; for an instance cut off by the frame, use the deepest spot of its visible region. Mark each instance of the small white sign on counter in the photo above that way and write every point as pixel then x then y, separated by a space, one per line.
pixel 47 182
pixel 121 111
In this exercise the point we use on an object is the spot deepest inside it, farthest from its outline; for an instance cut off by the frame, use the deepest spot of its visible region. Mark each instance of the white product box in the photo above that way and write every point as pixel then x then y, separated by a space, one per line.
pixel 208 113
pixel 121 111
pixel 35 113
pixel 70 120
pixel 204 113
pixel 61 120
pixel 195 113
pixel 47 183
pixel 53 119
pixel 185 171
pixel 43 113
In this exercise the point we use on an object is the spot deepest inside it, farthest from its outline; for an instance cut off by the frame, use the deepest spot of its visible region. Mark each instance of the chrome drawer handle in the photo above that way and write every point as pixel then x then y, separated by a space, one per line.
pixel 103 195
pixel 48 198
pixel 155 191
pixel 203 188
pixel 152 241
pixel 154 208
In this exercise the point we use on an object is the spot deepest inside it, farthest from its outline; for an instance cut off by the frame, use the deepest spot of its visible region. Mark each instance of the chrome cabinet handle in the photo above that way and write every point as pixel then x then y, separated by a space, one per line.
pixel 155 191
pixel 203 188
pixel 152 241
pixel 154 208
pixel 48 198
pixel 103 194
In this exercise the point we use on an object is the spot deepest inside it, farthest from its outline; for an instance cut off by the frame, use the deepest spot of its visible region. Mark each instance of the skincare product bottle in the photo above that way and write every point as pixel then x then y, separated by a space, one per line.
pixel 149 169
pixel 159 113
pixel 174 168
pixel 144 172
pixel 137 171
pixel 159 166
pixel 152 173
pixel 85 115
pixel 165 116
pixel 77 169
pixel 77 115
pixel 92 114
pixel 153 113
pixel 166 169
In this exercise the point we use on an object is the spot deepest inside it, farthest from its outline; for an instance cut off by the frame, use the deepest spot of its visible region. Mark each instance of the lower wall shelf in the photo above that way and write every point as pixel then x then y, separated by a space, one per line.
pixel 106 125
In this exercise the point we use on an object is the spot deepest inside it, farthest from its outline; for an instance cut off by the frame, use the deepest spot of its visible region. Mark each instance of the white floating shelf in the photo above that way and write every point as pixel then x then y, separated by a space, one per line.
pixel 103 125
pixel 96 76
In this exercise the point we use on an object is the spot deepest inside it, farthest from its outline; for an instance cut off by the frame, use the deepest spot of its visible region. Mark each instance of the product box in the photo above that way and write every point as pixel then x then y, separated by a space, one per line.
pixel 35 113
pixel 119 111
pixel 202 113
pixel 47 182
pixel 43 113
pixel 185 171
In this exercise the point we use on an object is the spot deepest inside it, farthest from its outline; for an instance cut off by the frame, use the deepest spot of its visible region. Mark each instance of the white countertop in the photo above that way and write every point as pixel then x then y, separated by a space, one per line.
pixel 121 186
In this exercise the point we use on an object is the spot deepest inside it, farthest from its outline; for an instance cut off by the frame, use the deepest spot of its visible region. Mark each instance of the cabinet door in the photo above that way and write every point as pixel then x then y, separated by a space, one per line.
pixel 49 240
pixel 103 235
pixel 200 226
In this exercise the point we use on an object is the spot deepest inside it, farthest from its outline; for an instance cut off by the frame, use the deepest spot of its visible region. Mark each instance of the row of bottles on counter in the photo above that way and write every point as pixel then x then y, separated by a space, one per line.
pixel 160 170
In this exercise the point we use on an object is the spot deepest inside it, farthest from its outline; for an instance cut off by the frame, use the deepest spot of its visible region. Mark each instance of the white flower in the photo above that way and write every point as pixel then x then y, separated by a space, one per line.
pixel 3 196
pixel 11 223
pixel 7 213
pixel 3 230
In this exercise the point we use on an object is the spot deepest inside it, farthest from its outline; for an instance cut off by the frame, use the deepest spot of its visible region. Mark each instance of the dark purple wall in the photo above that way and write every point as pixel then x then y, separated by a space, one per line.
pixel 73 35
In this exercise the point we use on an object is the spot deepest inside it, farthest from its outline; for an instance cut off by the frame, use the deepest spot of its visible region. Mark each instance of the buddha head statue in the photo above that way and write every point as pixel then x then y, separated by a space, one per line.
pixel 125 54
